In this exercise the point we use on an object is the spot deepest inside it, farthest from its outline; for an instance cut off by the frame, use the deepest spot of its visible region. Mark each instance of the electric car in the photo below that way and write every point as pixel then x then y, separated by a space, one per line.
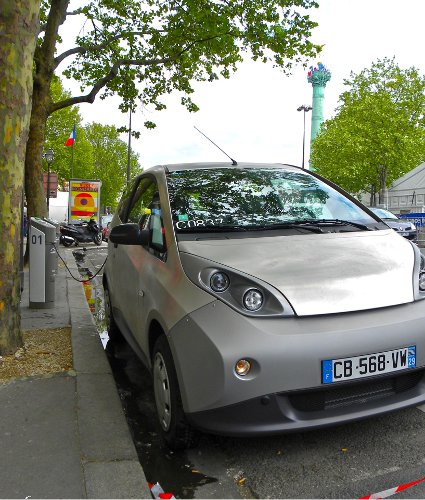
pixel 264 299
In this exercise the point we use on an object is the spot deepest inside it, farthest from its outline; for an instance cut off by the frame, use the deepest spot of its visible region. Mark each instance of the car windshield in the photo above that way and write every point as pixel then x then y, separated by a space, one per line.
pixel 251 198
pixel 104 219
pixel 383 214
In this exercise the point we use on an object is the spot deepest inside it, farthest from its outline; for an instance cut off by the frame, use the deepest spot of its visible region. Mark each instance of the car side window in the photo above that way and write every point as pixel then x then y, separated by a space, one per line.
pixel 124 202
pixel 146 211
pixel 142 198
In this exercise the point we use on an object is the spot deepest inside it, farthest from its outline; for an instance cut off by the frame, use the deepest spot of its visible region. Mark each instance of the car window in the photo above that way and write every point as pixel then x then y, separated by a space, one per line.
pixel 141 200
pixel 105 219
pixel 254 197
pixel 155 223
pixel 145 210
pixel 124 202
pixel 383 214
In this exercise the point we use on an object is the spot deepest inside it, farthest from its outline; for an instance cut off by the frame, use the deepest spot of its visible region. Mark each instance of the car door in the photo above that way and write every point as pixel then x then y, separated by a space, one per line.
pixel 137 264
pixel 126 259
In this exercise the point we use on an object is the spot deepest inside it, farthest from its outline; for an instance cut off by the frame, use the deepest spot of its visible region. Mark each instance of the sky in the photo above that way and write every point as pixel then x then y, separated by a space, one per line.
pixel 253 116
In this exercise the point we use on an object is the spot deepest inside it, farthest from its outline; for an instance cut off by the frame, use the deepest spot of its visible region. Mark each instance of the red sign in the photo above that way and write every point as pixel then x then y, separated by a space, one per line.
pixel 53 184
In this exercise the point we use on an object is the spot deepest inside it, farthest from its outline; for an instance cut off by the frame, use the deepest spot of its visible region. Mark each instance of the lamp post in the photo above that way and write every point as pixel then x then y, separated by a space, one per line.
pixel 304 108
pixel 49 156
pixel 129 150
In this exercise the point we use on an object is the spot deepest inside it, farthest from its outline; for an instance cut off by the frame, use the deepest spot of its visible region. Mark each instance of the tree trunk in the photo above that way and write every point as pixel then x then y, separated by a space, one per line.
pixel 372 202
pixel 382 184
pixel 44 69
pixel 19 21
pixel 34 189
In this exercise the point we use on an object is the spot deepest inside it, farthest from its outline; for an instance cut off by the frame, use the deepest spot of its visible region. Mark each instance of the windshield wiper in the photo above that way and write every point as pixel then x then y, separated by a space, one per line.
pixel 285 225
pixel 312 225
pixel 252 227
pixel 339 222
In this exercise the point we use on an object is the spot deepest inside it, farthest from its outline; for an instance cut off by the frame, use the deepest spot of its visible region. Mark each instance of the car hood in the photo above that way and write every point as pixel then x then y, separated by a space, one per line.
pixel 322 273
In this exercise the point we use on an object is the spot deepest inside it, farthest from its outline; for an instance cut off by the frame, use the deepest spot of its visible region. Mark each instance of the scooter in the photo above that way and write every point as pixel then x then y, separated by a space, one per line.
pixel 84 232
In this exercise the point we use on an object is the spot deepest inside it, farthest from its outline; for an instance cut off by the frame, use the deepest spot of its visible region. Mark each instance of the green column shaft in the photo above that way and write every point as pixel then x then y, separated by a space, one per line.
pixel 317 116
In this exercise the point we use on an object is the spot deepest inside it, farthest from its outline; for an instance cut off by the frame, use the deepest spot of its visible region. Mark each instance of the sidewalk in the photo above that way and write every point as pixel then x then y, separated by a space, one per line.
pixel 65 435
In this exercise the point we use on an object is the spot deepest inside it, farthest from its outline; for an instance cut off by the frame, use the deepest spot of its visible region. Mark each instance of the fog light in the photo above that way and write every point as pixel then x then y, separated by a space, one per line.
pixel 242 367
pixel 253 300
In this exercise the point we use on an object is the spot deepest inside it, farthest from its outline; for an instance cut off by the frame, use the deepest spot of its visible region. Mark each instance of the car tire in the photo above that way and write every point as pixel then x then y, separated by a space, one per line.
pixel 176 431
pixel 114 332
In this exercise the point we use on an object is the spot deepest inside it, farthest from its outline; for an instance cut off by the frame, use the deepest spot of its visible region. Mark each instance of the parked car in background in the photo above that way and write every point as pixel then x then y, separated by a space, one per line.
pixel 105 231
pixel 403 228
pixel 263 299
pixel 105 221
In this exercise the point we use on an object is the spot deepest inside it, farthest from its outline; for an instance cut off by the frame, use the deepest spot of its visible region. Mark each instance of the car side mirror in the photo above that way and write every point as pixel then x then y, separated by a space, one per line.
pixel 129 234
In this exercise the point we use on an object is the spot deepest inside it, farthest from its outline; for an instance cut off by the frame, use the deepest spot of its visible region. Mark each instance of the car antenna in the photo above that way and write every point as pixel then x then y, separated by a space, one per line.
pixel 234 162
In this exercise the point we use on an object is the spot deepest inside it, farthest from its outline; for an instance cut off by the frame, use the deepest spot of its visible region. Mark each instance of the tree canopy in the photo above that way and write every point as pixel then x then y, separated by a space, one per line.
pixel 377 134
pixel 142 51
pixel 110 161
pixel 99 153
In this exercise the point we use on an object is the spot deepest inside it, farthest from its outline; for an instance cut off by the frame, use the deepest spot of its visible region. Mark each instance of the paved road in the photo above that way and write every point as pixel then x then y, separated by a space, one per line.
pixel 342 462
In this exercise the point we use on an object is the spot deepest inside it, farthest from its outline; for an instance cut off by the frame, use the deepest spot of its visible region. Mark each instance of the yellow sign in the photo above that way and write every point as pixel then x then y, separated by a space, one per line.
pixel 84 198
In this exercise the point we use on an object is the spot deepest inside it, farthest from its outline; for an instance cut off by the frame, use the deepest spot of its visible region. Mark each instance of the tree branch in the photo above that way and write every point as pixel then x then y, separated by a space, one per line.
pixel 113 72
pixel 95 48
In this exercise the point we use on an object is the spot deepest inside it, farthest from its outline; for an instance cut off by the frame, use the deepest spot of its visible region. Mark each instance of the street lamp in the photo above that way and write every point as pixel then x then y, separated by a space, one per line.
pixel 305 109
pixel 49 156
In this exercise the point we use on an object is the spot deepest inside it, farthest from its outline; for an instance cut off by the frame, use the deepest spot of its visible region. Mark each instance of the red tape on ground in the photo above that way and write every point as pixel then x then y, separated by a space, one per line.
pixel 393 491
pixel 158 492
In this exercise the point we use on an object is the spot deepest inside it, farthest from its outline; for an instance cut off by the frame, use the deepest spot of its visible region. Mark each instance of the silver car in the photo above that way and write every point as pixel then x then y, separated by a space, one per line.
pixel 403 227
pixel 264 300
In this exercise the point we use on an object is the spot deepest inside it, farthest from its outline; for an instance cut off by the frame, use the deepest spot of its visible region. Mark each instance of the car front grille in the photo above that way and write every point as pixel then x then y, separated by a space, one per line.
pixel 357 393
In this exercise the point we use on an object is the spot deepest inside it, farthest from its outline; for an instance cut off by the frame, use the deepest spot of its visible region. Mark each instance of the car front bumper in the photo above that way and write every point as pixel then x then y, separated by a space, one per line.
pixel 283 391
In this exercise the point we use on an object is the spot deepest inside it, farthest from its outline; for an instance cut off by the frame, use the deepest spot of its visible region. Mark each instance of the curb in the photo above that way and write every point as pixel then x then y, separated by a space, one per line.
pixel 109 459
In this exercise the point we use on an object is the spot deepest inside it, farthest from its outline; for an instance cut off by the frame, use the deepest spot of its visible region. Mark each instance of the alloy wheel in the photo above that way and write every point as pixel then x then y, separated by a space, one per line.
pixel 162 391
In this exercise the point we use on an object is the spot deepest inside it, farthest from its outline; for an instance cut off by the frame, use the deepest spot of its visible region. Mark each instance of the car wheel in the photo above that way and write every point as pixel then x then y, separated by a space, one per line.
pixel 111 327
pixel 97 238
pixel 176 431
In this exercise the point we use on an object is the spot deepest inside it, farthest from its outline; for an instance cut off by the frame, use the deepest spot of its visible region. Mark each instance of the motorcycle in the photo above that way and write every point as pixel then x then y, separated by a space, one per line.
pixel 83 232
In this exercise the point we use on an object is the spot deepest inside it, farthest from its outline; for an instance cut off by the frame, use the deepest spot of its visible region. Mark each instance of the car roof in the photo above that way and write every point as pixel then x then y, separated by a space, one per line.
pixel 174 167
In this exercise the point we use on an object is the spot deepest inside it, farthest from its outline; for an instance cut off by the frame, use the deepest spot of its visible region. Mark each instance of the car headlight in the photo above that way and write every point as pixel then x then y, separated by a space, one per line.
pixel 422 274
pixel 413 227
pixel 244 293
pixel 418 273
pixel 219 282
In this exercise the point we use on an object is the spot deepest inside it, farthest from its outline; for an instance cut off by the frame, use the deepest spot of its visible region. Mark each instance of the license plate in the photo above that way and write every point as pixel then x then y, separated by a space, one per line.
pixel 338 370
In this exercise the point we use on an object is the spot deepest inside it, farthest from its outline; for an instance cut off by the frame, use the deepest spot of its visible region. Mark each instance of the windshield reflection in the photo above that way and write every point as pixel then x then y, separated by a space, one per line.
pixel 251 197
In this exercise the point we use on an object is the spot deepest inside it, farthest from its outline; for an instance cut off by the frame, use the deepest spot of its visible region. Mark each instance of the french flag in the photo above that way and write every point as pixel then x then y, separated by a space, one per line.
pixel 71 139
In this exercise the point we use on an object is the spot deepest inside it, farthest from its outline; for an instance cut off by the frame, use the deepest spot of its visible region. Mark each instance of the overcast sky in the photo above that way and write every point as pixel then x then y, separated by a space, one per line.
pixel 253 116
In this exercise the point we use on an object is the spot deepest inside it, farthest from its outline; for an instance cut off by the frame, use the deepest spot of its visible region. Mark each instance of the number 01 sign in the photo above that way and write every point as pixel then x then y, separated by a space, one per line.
pixel 37 271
